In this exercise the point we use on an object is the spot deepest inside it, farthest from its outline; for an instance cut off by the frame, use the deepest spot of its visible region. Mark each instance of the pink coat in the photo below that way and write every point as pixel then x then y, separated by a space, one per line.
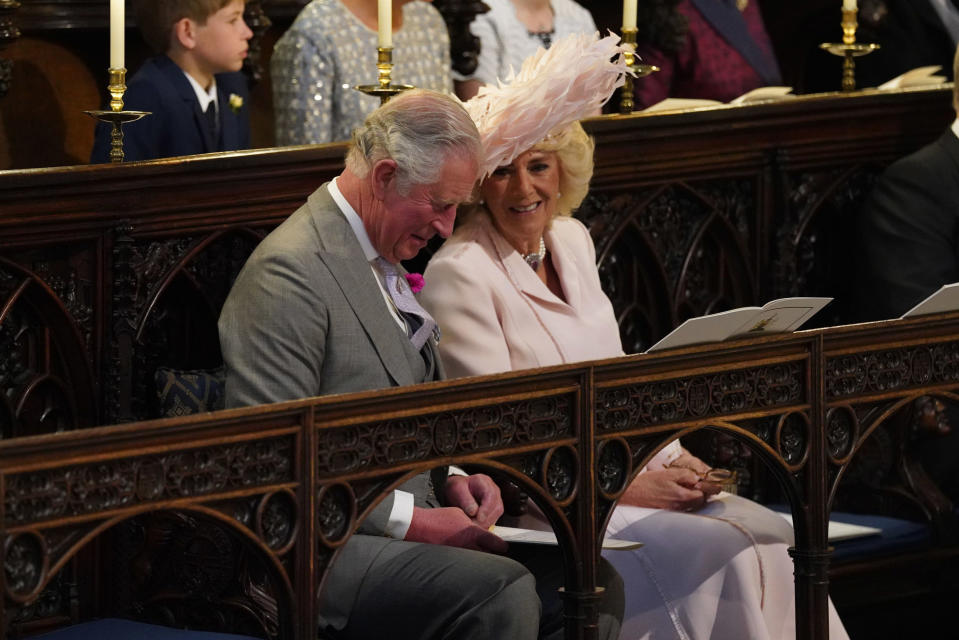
pixel 497 315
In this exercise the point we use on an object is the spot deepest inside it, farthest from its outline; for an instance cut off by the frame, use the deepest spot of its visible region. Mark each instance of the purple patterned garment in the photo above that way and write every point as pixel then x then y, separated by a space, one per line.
pixel 707 66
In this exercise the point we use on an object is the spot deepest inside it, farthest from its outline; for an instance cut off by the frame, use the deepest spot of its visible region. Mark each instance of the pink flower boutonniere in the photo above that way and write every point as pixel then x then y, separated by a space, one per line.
pixel 416 281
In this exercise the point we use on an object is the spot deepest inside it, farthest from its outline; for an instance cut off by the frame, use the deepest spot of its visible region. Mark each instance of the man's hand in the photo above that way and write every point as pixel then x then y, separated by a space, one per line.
pixel 515 499
pixel 452 527
pixel 478 496
pixel 672 488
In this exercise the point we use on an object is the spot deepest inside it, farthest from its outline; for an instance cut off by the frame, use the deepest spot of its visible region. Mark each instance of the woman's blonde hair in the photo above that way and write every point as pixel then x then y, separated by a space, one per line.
pixel 574 150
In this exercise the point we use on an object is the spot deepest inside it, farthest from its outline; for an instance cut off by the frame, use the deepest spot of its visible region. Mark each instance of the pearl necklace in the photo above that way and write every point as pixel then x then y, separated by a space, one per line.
pixel 536 259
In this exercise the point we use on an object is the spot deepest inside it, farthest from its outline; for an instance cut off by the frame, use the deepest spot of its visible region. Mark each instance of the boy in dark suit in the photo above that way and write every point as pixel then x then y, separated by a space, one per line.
pixel 197 99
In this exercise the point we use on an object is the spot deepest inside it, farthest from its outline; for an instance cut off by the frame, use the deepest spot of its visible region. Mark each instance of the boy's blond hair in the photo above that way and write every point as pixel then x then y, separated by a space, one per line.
pixel 157 17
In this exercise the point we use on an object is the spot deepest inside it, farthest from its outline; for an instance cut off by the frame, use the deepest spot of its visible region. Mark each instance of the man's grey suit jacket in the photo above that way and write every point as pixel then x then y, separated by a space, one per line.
pixel 306 318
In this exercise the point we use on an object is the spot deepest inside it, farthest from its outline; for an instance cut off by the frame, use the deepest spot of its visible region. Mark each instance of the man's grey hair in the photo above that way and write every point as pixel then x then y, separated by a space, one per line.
pixel 419 129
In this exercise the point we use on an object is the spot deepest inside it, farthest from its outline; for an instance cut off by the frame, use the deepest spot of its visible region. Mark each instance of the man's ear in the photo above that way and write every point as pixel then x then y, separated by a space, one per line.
pixel 382 174
pixel 184 33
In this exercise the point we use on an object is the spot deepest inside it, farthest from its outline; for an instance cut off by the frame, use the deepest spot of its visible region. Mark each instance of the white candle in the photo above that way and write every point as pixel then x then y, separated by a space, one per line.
pixel 629 14
pixel 384 16
pixel 116 34
pixel 849 5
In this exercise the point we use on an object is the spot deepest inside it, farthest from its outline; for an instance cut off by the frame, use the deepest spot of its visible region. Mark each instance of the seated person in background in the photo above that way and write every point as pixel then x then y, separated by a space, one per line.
pixel 516 286
pixel 512 30
pixel 331 47
pixel 317 310
pixel 198 101
pixel 908 230
pixel 721 52
pixel 907 243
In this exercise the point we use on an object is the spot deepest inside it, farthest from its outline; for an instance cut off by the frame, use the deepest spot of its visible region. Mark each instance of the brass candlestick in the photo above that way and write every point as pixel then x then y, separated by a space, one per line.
pixel 849 49
pixel 116 115
pixel 636 65
pixel 385 88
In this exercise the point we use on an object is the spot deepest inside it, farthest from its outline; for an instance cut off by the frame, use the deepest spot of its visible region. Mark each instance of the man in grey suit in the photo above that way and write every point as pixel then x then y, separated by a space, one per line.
pixel 310 315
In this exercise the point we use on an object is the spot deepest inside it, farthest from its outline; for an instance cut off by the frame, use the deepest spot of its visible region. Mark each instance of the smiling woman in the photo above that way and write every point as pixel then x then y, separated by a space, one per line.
pixel 721 572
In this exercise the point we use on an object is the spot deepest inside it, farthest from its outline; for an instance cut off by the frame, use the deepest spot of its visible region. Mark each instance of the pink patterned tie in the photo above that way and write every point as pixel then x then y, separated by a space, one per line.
pixel 420 321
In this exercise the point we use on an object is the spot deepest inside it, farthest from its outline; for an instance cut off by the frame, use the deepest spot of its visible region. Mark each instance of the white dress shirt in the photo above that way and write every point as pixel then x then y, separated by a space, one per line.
pixel 204 96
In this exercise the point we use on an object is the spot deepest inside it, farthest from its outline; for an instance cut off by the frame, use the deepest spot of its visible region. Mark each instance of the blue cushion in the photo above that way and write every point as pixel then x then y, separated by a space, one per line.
pixel 185 392
pixel 897 536
pixel 118 629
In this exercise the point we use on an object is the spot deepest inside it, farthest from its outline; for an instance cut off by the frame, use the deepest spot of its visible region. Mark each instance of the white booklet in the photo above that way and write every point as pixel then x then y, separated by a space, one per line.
pixel 918 77
pixel 842 530
pixel 945 299
pixel 756 95
pixel 681 104
pixel 764 93
pixel 778 316
pixel 534 536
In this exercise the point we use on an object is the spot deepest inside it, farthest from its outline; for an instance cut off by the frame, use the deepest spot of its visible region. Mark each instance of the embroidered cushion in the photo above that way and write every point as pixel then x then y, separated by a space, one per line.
pixel 189 391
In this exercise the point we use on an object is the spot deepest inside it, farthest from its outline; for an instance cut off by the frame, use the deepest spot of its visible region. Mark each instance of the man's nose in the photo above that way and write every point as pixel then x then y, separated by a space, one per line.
pixel 443 224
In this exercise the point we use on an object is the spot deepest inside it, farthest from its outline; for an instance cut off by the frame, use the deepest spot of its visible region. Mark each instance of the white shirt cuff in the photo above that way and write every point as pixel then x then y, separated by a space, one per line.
pixel 401 515
pixel 455 471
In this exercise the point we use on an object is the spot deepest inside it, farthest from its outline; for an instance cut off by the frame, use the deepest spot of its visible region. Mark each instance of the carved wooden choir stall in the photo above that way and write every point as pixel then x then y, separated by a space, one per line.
pixel 109 285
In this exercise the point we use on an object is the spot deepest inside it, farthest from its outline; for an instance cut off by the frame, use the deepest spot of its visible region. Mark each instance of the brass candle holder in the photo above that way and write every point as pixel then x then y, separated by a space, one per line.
pixel 849 49
pixel 116 115
pixel 384 89
pixel 639 69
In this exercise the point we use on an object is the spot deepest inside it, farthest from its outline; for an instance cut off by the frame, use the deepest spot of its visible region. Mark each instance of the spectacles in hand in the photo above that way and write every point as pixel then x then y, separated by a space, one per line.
pixel 725 478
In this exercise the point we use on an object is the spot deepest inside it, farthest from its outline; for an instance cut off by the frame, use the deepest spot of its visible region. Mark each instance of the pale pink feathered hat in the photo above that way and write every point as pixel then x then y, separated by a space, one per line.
pixel 554 88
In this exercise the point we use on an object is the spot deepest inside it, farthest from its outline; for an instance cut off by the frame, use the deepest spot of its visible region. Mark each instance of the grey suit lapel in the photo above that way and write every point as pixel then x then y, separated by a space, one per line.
pixel 344 258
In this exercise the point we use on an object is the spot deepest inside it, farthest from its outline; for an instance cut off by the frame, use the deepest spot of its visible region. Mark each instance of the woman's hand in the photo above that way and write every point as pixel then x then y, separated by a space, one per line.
pixel 700 468
pixel 674 488
pixel 689 461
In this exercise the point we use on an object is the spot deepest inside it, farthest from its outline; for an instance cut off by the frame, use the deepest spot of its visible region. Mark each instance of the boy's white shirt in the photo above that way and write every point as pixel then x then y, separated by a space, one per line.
pixel 205 97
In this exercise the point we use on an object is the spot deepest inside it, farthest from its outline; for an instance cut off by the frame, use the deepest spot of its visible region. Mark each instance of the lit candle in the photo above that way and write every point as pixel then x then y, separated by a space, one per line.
pixel 384 16
pixel 629 14
pixel 116 34
pixel 849 5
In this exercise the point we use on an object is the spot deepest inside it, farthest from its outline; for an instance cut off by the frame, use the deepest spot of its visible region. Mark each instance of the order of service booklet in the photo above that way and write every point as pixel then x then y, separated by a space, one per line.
pixel 535 536
pixel 839 531
pixel 918 77
pixel 945 299
pixel 762 94
pixel 779 316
